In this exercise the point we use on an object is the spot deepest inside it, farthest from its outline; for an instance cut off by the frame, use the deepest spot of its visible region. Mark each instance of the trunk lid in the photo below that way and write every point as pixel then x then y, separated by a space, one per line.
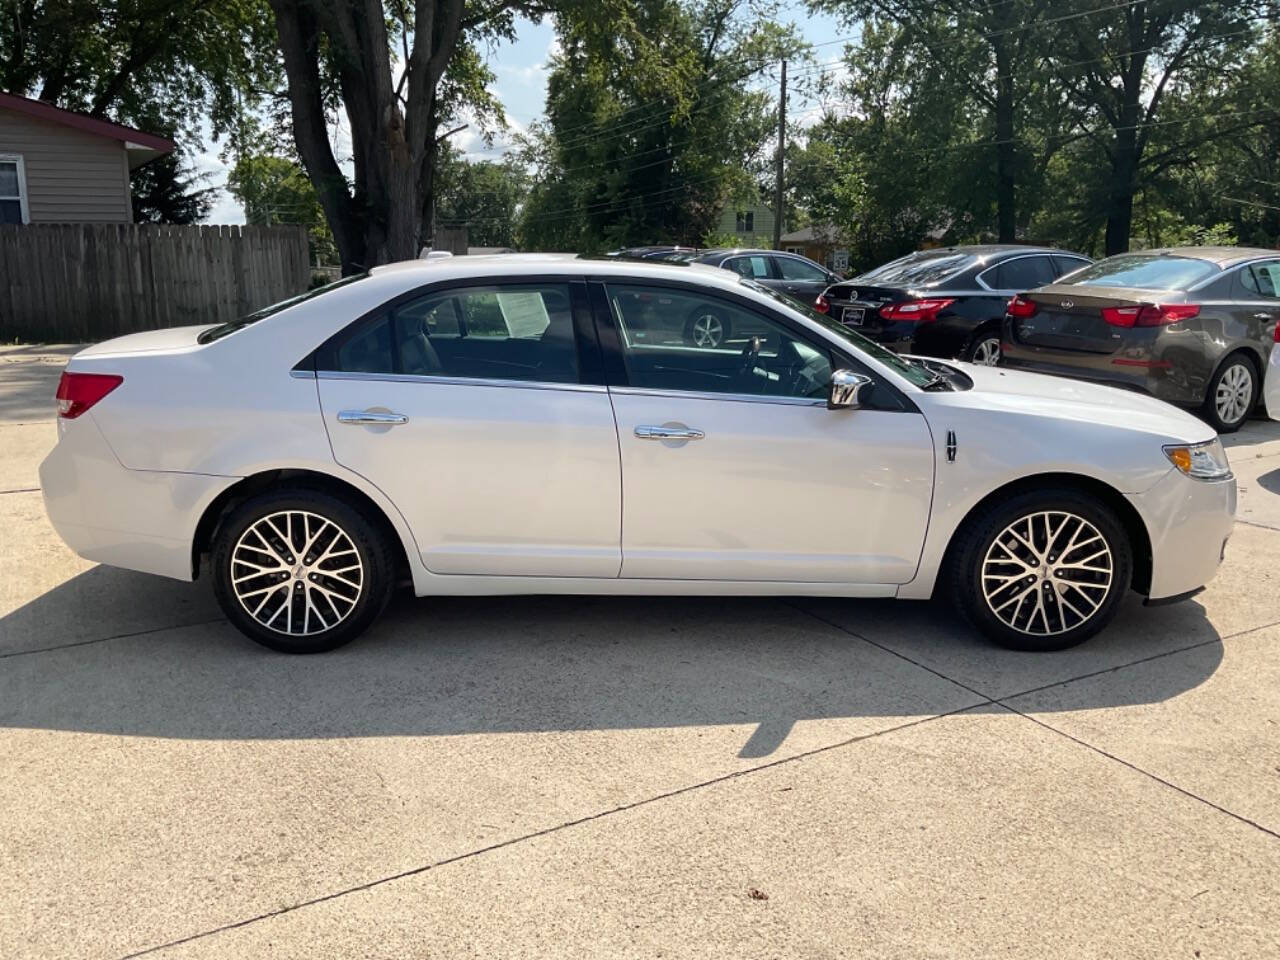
pixel 166 340
pixel 858 304
pixel 1069 317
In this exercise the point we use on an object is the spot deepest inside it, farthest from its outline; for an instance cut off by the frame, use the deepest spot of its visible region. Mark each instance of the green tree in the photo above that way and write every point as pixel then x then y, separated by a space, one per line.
pixel 485 196
pixel 1157 77
pixel 649 132
pixel 275 189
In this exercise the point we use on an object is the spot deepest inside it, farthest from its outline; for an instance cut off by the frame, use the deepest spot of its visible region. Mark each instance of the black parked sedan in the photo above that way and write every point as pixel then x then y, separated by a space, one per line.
pixel 948 302
pixel 1190 325
pixel 785 272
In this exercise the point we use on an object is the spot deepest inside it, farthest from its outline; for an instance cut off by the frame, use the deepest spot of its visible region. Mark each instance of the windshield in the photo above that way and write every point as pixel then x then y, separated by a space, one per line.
pixel 1160 272
pixel 225 329
pixel 915 373
pixel 921 267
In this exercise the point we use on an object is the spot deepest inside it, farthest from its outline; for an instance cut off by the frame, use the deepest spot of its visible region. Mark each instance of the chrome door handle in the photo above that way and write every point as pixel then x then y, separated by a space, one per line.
pixel 668 433
pixel 1262 316
pixel 371 418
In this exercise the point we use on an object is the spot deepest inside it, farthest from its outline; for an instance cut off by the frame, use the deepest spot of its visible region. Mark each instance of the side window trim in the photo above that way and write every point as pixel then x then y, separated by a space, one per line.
pixel 587 346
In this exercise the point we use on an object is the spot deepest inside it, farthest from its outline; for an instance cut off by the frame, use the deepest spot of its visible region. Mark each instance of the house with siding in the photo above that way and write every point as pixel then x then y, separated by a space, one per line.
pixel 60 166
pixel 750 224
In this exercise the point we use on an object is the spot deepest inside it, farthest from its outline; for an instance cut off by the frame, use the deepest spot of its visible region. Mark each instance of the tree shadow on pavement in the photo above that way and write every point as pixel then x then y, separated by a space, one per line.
pixel 448 666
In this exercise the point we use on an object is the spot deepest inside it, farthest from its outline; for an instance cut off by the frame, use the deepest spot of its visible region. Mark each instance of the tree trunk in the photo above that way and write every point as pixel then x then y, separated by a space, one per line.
pixel 1006 149
pixel 1125 158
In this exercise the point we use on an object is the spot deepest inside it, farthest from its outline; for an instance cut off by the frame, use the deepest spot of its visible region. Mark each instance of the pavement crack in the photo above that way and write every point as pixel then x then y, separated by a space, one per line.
pixel 1144 772
pixel 21 490
pixel 549 831
pixel 1003 704
pixel 114 636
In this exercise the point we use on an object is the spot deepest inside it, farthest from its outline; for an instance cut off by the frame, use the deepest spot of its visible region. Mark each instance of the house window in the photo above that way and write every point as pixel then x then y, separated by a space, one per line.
pixel 746 221
pixel 796 250
pixel 13 193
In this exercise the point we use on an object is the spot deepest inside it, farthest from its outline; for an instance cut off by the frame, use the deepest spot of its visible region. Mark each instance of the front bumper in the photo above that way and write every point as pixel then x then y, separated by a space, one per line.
pixel 1188 522
pixel 141 520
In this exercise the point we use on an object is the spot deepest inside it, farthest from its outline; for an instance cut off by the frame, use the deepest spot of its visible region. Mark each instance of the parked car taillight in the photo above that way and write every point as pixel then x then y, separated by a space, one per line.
pixel 916 311
pixel 1276 335
pixel 77 392
pixel 820 304
pixel 1021 308
pixel 1149 314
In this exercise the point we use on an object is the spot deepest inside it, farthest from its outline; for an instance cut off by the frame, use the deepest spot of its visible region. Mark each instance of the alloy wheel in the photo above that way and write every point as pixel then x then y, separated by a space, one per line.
pixel 1047 573
pixel 987 352
pixel 296 573
pixel 707 330
pixel 1234 395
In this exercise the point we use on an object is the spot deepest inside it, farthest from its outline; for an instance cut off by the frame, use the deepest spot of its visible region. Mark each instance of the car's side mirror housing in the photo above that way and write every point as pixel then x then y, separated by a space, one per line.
pixel 847 390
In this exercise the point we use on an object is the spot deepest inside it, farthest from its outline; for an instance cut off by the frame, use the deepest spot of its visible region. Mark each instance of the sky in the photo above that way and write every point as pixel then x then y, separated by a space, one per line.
pixel 521 81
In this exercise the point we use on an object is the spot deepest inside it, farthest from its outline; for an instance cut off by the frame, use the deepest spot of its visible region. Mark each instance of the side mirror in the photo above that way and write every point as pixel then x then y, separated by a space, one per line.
pixel 846 390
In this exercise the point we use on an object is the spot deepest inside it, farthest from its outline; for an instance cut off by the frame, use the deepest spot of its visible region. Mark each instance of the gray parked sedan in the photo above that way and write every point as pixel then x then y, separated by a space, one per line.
pixel 1190 325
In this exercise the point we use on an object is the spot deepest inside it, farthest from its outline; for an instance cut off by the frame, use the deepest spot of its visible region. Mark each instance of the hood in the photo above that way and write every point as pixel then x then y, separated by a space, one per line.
pixel 168 339
pixel 1019 391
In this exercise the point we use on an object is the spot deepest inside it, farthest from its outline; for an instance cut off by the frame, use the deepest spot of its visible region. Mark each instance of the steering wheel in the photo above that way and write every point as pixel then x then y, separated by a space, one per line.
pixel 749 358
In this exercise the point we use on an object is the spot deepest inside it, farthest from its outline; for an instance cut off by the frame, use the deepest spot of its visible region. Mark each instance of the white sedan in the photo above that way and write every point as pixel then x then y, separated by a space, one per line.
pixel 543 424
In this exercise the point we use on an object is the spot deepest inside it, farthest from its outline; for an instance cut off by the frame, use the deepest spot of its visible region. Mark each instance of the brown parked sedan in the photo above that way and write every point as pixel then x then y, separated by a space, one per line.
pixel 1190 325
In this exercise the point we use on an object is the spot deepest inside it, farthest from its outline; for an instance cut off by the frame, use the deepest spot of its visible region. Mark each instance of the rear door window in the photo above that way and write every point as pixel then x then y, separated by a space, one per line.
pixel 517 332
pixel 1023 273
pixel 755 267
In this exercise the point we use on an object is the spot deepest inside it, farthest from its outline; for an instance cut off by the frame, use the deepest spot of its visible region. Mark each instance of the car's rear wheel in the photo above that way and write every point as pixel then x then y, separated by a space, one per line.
pixel 985 348
pixel 301 571
pixel 1044 570
pixel 1232 394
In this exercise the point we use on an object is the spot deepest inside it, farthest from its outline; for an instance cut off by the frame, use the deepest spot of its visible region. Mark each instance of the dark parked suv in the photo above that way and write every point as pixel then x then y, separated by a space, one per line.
pixel 948 302
pixel 1190 325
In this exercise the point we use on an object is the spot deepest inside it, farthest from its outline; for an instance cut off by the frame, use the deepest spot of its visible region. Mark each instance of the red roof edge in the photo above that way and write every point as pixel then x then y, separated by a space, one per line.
pixel 80 121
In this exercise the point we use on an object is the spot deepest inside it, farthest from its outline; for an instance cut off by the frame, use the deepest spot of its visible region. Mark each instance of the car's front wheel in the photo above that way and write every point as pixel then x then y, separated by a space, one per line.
pixel 1044 570
pixel 301 571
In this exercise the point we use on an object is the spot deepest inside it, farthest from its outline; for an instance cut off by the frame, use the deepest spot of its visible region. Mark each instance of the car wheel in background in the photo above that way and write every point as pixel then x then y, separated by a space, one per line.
pixel 1232 394
pixel 706 328
pixel 1044 570
pixel 985 348
pixel 301 571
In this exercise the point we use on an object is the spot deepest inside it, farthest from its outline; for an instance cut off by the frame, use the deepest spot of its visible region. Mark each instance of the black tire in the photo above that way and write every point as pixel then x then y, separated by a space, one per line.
pixel 1229 367
pixel 696 337
pixel 983 340
pixel 372 549
pixel 1057 627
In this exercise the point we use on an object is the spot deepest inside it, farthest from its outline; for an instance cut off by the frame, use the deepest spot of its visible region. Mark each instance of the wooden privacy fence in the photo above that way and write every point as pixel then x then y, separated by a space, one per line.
pixel 83 282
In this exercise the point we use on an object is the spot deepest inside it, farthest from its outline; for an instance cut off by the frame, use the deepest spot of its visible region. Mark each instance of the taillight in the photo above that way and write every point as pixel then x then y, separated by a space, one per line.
pixel 1021 308
pixel 77 392
pixel 1149 314
pixel 820 304
pixel 1276 335
pixel 916 311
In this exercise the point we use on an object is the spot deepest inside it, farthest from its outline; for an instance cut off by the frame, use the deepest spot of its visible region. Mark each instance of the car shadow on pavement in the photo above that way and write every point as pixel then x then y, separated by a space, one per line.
pixel 454 666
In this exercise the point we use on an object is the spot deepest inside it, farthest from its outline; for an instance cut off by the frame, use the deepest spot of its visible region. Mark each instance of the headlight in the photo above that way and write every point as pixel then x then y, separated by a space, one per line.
pixel 1204 461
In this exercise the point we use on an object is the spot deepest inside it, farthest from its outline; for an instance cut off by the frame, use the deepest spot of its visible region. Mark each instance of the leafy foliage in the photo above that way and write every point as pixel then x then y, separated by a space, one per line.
pixel 651 127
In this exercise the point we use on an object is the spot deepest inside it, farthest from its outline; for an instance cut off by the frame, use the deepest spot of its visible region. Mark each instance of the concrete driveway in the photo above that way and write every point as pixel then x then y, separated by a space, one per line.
pixel 628 778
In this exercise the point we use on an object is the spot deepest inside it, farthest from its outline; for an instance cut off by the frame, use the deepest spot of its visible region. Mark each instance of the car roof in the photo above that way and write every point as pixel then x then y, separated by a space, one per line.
pixel 534 264
pixel 1222 256
pixel 988 250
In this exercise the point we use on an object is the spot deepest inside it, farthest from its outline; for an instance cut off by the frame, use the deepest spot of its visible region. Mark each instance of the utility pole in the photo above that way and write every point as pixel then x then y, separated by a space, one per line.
pixel 782 144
